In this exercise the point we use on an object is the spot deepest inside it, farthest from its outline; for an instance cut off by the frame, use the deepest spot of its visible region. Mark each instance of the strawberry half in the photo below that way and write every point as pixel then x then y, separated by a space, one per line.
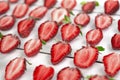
pixel 112 63
pixel 72 4
pixel 94 36
pixel 69 32
pixel 47 30
pixel 59 51
pixel 115 41
pixel 49 3
pixel 103 21
pixel 82 19
pixel 111 6
pixel 13 1
pixel 6 22
pixel 15 68
pixel 10 39
pixel 38 12
pixel 5 8
pixel 25 27
pixel 97 77
pixel 30 2
pixel 85 57
pixel 42 72
pixel 68 73
pixel 32 47
pixel 119 25
pixel 20 10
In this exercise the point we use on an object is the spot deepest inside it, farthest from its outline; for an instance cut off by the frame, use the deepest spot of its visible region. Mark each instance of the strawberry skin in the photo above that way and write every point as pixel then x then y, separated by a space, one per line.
pixel 10 39
pixel 59 51
pixel 68 73
pixel 112 63
pixel 30 2
pixel 5 8
pixel 85 57
pixel 32 47
pixel 97 77
pixel 13 1
pixel 15 68
pixel 49 3
pixel 69 32
pixel 119 25
pixel 25 27
pixel 6 22
pixel 42 72
pixel 47 30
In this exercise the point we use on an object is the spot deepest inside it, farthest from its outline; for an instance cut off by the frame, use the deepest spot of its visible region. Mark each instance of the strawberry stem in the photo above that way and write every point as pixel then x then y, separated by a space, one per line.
pixel 28 62
pixel 1 35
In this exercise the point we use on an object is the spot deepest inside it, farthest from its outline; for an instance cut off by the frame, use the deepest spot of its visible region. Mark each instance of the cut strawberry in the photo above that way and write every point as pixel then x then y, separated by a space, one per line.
pixel 59 51
pixel 94 36
pixel 97 77
pixel 32 47
pixel 68 73
pixel 85 57
pixel 13 42
pixel 15 69
pixel 111 6
pixel 72 4
pixel 30 2
pixel 49 3
pixel 6 22
pixel 20 10
pixel 25 27
pixel 119 25
pixel 47 30
pixel 13 1
pixel 4 7
pixel 112 63
pixel 82 19
pixel 38 12
pixel 69 32
pixel 103 21
pixel 42 72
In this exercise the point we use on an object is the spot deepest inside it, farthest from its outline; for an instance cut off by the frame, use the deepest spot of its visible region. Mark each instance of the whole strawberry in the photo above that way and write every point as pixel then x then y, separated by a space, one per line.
pixel 49 3
pixel 30 2
pixel 98 77
pixel 4 7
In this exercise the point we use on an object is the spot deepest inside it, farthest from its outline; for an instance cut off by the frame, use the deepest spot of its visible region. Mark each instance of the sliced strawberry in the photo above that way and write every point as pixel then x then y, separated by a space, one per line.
pixel 5 8
pixel 13 1
pixel 94 36
pixel 47 30
pixel 111 6
pixel 58 14
pixel 103 21
pixel 68 73
pixel 13 42
pixel 42 72
pixel 97 77
pixel 25 27
pixel 69 32
pixel 15 69
pixel 38 12
pixel 6 22
pixel 112 63
pixel 49 3
pixel 119 25
pixel 85 57
pixel 82 19
pixel 59 51
pixel 30 2
pixel 32 47
pixel 72 4
pixel 20 10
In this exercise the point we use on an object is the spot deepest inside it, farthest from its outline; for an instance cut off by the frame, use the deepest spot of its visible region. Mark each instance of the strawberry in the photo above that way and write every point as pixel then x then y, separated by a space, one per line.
pixel 59 51
pixel 119 25
pixel 97 77
pixel 25 27
pixel 69 32
pixel 47 30
pixel 42 72
pixel 5 8
pixel 85 57
pixel 72 4
pixel 13 1
pixel 112 63
pixel 115 41
pixel 30 2
pixel 15 68
pixel 111 6
pixel 69 73
pixel 38 12
pixel 94 36
pixel 58 14
pixel 6 22
pixel 82 19
pixel 103 21
pixel 20 10
pixel 32 47
pixel 10 39
pixel 49 3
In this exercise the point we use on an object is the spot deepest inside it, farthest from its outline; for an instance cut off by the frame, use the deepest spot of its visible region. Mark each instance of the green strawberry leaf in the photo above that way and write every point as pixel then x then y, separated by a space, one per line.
pixel 88 77
pixel 97 3
pixel 83 2
pixel 111 78
pixel 81 33
pixel 1 35
pixel 71 13
pixel 43 42
pixel 66 19
pixel 100 48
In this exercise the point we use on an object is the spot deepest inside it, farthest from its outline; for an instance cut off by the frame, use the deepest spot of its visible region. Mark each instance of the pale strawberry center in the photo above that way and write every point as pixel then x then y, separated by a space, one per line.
pixel 70 2
pixel 6 20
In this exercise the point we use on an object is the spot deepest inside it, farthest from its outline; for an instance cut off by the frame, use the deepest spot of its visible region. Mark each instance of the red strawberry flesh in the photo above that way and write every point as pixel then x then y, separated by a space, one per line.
pixel 5 8
pixel 49 3
pixel 30 2
pixel 97 77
